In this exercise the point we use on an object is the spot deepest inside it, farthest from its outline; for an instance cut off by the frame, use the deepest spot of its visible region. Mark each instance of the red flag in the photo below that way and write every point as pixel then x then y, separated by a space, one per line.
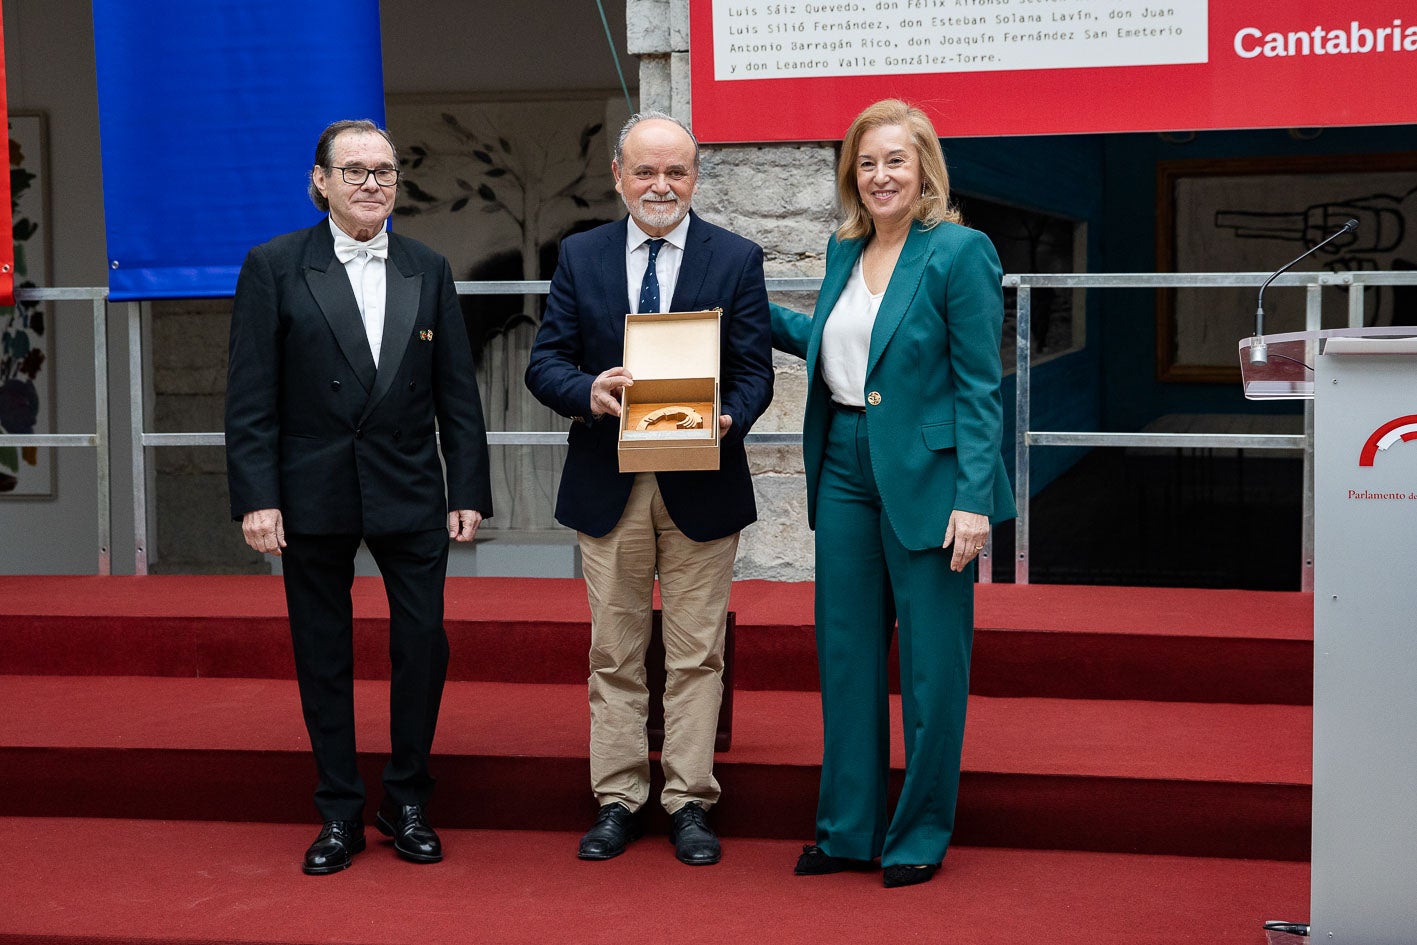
pixel 7 241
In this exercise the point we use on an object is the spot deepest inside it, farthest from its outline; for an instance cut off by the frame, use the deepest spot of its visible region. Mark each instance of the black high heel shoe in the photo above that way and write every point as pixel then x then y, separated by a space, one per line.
pixel 815 861
pixel 895 876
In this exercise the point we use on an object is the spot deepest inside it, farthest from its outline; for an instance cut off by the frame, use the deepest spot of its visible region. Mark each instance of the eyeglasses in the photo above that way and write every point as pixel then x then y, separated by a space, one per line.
pixel 383 176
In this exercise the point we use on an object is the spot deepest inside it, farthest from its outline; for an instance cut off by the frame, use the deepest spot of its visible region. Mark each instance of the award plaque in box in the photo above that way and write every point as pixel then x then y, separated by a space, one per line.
pixel 669 416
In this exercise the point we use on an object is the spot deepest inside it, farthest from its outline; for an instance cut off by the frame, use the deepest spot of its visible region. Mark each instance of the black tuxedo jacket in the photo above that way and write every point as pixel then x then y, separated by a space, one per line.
pixel 314 430
pixel 583 334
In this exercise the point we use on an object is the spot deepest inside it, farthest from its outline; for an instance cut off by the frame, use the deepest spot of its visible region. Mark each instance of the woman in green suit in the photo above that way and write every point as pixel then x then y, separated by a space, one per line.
pixel 901 446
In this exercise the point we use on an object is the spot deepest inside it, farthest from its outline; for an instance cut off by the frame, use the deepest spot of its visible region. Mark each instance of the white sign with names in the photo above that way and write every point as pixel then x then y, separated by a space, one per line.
pixel 792 40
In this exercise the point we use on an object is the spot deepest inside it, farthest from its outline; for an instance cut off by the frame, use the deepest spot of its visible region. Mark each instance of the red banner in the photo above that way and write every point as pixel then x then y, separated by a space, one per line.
pixel 7 242
pixel 799 71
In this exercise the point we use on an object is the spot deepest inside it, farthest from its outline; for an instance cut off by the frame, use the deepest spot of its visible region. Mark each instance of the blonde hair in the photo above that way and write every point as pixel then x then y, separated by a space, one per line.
pixel 932 206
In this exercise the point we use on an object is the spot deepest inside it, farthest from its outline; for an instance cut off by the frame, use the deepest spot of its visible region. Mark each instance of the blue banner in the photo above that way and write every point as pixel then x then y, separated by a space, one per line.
pixel 209 111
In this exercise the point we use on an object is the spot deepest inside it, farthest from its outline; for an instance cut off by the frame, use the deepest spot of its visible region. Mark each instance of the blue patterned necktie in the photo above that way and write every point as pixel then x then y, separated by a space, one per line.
pixel 649 288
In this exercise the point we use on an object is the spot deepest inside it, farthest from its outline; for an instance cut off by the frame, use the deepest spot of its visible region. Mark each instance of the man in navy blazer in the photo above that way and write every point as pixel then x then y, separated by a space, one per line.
pixel 682 526
pixel 349 359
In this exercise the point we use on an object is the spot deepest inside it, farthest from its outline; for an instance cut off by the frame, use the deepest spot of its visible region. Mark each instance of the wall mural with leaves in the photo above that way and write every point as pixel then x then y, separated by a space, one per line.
pixel 495 186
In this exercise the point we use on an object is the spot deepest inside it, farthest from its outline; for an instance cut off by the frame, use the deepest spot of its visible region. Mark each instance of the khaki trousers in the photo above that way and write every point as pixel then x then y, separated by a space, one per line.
pixel 694 581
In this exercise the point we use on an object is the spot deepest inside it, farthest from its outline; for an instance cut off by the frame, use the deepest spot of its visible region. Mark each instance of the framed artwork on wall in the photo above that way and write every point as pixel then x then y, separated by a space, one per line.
pixel 26 329
pixel 1255 215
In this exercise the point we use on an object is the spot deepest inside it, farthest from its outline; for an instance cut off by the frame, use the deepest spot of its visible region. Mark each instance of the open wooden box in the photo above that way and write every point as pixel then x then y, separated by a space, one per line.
pixel 673 357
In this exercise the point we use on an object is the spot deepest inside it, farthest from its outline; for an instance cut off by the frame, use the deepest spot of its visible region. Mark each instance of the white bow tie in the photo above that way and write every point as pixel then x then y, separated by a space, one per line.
pixel 346 247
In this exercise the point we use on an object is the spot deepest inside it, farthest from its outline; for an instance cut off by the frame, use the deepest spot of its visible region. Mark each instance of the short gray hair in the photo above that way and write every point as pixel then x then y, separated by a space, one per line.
pixel 638 117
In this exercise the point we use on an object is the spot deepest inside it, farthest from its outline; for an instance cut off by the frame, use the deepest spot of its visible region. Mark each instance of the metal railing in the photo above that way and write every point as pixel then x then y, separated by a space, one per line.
pixel 98 439
pixel 1025 438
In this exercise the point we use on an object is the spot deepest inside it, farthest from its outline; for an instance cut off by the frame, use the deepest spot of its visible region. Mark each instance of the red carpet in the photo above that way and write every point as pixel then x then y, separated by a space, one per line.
pixel 1191 778
pixel 151 725
pixel 214 882
pixel 1111 610
pixel 1116 643
pixel 1089 738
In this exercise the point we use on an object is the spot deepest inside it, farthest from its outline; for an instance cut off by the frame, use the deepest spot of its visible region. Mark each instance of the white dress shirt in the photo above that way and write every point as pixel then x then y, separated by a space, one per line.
pixel 364 263
pixel 846 340
pixel 666 264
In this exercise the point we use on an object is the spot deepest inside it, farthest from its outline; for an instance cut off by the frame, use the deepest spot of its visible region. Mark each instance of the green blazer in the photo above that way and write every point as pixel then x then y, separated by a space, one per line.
pixel 934 415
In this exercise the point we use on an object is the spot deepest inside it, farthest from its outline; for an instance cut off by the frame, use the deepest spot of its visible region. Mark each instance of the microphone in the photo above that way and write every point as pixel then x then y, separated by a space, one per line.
pixel 1259 351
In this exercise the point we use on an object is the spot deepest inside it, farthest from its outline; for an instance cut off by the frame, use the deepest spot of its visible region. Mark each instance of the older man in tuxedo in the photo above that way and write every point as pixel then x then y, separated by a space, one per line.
pixel 682 526
pixel 349 360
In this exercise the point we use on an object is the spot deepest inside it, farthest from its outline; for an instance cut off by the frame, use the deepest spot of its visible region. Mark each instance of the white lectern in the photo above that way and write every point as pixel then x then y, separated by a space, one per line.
pixel 1364 385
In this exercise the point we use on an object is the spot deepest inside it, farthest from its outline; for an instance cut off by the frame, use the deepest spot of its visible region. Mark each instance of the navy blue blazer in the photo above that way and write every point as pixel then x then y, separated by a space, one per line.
pixel 583 334
pixel 313 429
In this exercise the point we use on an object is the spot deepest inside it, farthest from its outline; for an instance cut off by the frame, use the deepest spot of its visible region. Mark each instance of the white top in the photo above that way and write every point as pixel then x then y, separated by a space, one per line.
pixel 666 264
pixel 364 264
pixel 846 340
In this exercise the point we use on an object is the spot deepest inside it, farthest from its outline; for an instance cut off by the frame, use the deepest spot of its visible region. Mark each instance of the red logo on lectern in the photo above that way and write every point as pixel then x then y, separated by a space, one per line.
pixel 1403 428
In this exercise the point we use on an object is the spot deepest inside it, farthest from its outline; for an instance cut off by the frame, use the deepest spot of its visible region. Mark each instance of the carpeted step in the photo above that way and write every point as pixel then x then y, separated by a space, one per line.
pixel 1171 644
pixel 1202 779
pixel 106 882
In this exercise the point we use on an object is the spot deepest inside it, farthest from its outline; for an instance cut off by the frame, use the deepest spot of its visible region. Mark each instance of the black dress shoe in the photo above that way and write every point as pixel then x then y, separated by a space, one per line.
pixel 614 829
pixel 894 876
pixel 694 841
pixel 815 861
pixel 334 849
pixel 413 838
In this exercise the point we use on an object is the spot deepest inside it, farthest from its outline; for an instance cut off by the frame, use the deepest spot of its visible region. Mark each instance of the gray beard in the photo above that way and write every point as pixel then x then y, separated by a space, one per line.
pixel 658 213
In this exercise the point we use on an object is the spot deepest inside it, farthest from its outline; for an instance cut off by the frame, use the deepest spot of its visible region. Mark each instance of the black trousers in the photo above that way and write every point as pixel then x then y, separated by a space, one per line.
pixel 319 575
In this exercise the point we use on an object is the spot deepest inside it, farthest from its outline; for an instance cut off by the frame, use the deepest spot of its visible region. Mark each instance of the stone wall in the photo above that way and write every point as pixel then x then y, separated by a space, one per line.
pixel 783 198
pixel 195 533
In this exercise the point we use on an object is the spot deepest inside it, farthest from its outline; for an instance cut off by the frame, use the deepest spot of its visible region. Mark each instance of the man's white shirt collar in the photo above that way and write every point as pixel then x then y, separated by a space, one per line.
pixel 677 237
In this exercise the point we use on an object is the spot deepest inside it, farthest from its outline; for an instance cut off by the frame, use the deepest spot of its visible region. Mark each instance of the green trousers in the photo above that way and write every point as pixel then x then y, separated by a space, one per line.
pixel 867 584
